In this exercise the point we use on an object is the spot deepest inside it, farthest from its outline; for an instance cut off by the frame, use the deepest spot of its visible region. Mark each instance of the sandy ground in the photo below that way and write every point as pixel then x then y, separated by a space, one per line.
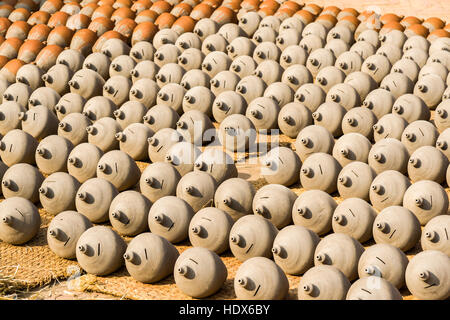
pixel 419 8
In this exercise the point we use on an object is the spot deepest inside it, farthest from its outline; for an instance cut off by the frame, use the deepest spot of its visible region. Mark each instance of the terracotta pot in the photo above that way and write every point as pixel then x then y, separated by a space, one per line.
pixel 140 6
pixel 47 57
pixel 373 23
pixel 433 23
pixel 409 21
pixel 10 47
pixel 267 11
pixel 223 15
pixel 272 4
pixel 333 10
pixel 192 3
pixel 39 32
pixel 106 36
pixel 38 17
pixel 29 50
pixel 392 25
pixel 388 17
pixel 438 33
pixel 305 16
pixel 348 12
pixel 52 6
pixel 106 2
pixel 182 9
pixel 10 2
pixel 61 36
pixel 89 9
pixel 20 14
pixel 366 14
pixel 18 29
pixel 146 15
pixel 3 61
pixel 293 5
pixel 351 19
pixel 101 25
pixel 216 3
pixel 313 8
pixel 201 11
pixel 30 5
pixel 165 20
pixel 71 8
pixel 103 11
pixel 184 24
pixel 284 13
pixel 122 3
pixel 144 31
pixel 78 21
pixel 10 69
pixel 328 20
pixel 4 25
pixel 161 6
pixel 417 29
pixel 122 13
pixel 83 40
pixel 5 10
pixel 249 5
pixel 234 5
pixel 58 19
pixel 125 27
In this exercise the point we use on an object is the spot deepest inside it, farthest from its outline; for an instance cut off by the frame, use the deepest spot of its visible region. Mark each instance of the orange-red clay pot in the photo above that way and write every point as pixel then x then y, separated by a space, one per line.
pixel 39 32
